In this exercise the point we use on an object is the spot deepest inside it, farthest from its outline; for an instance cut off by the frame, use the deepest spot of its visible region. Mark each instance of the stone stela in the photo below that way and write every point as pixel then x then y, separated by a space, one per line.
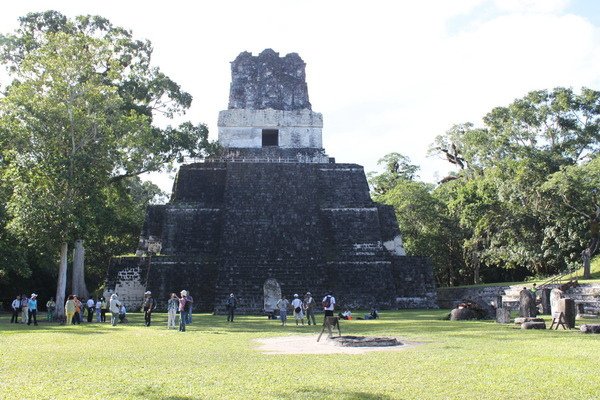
pixel 272 213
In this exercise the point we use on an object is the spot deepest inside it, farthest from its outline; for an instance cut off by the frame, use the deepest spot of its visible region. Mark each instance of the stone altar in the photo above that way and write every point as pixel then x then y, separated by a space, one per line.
pixel 272 213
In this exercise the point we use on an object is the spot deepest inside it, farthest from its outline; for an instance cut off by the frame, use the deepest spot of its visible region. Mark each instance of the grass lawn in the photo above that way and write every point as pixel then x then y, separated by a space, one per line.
pixel 217 360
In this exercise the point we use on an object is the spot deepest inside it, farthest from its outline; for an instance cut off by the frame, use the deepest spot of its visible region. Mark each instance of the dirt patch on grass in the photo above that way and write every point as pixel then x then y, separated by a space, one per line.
pixel 307 344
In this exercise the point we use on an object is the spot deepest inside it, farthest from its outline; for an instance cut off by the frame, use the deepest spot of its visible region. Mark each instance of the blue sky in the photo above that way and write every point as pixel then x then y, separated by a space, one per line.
pixel 386 75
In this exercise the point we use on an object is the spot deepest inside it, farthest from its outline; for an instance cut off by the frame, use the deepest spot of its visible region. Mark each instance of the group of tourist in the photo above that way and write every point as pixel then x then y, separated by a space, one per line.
pixel 304 307
pixel 26 308
pixel 75 309
pixel 181 305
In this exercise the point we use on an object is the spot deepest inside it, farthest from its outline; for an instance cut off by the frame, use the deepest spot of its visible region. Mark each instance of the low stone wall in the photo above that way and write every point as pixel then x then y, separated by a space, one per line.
pixel 448 297
pixel 588 295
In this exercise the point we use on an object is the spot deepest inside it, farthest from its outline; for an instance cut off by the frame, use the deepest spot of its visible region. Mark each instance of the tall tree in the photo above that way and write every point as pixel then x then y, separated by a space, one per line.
pixel 503 168
pixel 78 118
pixel 573 200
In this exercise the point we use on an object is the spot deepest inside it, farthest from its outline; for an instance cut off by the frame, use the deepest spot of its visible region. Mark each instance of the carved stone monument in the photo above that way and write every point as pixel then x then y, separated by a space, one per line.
pixel 555 295
pixel 527 304
pixel 567 307
pixel 272 213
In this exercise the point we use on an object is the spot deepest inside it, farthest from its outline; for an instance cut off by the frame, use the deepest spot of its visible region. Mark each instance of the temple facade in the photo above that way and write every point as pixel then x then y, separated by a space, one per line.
pixel 272 213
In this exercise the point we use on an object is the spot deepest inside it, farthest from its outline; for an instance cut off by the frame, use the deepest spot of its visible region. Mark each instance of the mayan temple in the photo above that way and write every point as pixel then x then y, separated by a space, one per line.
pixel 272 213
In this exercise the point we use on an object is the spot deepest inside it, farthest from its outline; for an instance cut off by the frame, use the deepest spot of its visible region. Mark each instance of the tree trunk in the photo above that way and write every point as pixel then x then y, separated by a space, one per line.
pixel 61 285
pixel 476 277
pixel 78 286
pixel 586 257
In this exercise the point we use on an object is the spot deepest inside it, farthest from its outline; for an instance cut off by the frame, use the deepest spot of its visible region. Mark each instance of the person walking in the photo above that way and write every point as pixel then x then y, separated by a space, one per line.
pixel 283 305
pixel 172 307
pixel 149 306
pixel 309 307
pixel 328 304
pixel 16 309
pixel 24 309
pixel 70 309
pixel 91 306
pixel 298 312
pixel 231 305
pixel 103 309
pixel 50 308
pixel 98 310
pixel 184 306
pixel 32 309
pixel 115 308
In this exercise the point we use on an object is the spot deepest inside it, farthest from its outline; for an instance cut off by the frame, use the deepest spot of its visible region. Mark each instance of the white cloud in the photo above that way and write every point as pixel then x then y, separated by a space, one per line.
pixel 532 6
pixel 387 75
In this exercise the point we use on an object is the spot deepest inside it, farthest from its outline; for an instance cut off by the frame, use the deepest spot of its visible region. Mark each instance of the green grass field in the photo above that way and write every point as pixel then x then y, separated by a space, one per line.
pixel 217 360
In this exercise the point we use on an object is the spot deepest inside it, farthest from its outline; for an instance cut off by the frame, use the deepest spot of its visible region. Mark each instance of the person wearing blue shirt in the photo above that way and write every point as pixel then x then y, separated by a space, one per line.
pixel 32 303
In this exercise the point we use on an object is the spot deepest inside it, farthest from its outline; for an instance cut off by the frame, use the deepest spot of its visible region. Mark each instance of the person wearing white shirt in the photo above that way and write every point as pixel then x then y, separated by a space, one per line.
pixel 98 310
pixel 16 309
pixel 328 304
pixel 115 307
pixel 298 312
pixel 90 304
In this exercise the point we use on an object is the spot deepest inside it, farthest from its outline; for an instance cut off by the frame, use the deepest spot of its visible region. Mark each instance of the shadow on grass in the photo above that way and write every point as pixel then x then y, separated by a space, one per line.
pixel 53 327
pixel 338 393
pixel 152 393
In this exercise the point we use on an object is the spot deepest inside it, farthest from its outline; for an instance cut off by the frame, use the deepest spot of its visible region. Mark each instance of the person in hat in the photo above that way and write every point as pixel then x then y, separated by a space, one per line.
pixel 32 312
pixel 231 305
pixel 309 305
pixel 115 308
pixel 184 308
pixel 298 311
pixel 50 308
pixel 149 306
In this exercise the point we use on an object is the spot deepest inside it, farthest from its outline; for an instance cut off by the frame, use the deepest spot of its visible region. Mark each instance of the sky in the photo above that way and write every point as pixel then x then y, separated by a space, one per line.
pixel 388 76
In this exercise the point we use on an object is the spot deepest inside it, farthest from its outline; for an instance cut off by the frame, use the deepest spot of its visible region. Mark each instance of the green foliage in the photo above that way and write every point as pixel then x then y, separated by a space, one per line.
pixel 426 228
pixel 526 192
pixel 397 168
pixel 453 360
pixel 76 131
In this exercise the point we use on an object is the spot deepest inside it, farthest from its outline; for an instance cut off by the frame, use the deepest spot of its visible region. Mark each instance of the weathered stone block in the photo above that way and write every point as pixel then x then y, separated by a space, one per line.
pixel 502 316
pixel 590 328
pixel 461 314
pixel 533 325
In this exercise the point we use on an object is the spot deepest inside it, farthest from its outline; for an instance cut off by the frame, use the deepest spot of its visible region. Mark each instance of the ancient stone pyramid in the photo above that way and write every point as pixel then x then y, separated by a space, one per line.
pixel 272 213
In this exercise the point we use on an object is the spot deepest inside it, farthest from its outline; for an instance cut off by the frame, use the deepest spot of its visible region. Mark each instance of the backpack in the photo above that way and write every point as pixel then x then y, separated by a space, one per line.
pixel 327 302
